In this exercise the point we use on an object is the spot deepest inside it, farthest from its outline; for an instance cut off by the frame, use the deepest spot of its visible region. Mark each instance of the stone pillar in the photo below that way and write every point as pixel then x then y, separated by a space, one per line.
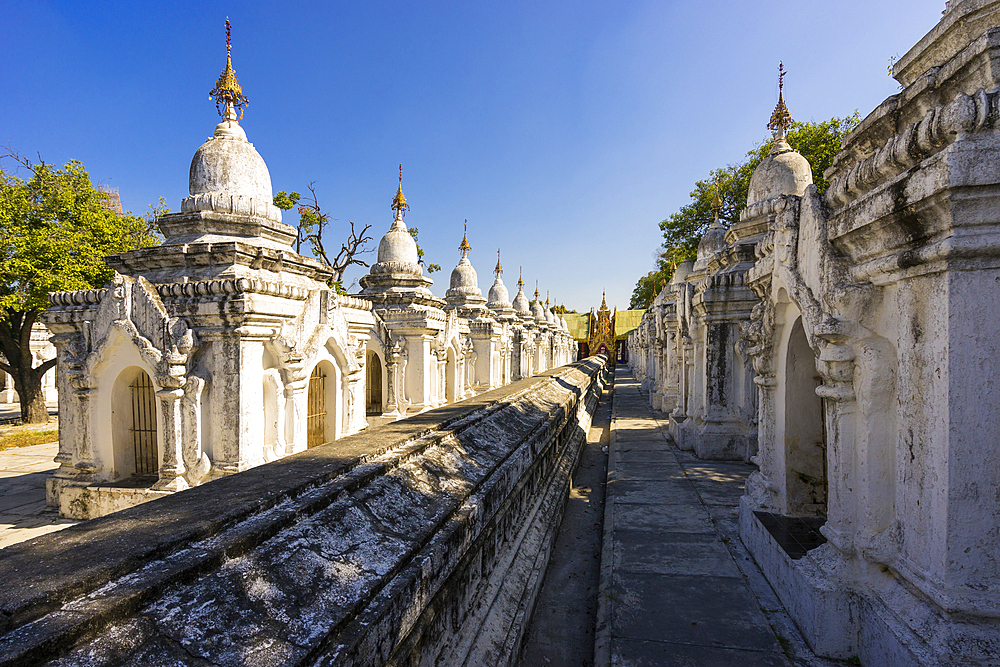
pixel 836 365
pixel 171 473
pixel 296 414
pixel 86 465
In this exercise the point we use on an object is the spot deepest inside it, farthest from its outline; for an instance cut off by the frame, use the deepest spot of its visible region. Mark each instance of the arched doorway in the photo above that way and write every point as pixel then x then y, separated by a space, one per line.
pixel 134 424
pixel 373 402
pixel 805 432
pixel 316 415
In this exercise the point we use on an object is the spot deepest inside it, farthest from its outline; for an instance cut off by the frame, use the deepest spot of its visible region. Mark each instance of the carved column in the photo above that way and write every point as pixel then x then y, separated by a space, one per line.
pixel 172 469
pixel 296 409
pixel 836 365
pixel 86 464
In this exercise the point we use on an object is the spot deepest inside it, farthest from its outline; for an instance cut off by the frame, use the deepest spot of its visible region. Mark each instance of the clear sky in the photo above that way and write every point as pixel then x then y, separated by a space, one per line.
pixel 563 131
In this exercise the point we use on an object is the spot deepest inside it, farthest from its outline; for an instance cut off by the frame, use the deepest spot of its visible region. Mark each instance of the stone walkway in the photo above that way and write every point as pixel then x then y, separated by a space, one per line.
pixel 23 513
pixel 677 585
pixel 23 471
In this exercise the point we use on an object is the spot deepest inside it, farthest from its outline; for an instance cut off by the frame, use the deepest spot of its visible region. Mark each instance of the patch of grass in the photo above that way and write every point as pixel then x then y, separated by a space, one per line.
pixel 786 646
pixel 27 438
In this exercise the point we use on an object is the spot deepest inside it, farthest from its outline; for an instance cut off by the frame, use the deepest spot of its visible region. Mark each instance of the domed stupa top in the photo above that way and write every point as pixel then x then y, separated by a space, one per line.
pixel 464 280
pixel 397 251
pixel 784 171
pixel 714 239
pixel 537 311
pixel 550 317
pixel 227 174
pixel 563 324
pixel 521 305
pixel 464 289
pixel 499 298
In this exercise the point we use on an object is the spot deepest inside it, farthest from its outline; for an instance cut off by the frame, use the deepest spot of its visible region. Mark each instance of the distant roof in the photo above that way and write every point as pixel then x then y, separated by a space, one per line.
pixel 626 321
pixel 579 325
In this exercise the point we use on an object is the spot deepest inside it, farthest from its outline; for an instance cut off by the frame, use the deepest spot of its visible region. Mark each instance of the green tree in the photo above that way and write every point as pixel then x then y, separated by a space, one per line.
pixel 431 268
pixel 312 224
pixel 817 142
pixel 55 231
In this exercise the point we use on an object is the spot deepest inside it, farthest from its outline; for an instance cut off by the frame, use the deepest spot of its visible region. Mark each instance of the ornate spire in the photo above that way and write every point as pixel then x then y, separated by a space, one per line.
pixel 781 120
pixel 546 299
pixel 465 247
pixel 604 303
pixel 227 89
pixel 537 295
pixel 499 269
pixel 520 277
pixel 716 203
pixel 399 204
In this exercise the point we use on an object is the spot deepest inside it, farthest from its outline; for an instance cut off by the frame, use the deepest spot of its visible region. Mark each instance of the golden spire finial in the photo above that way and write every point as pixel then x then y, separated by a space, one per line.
pixel 716 200
pixel 546 299
pixel 781 120
pixel 465 247
pixel 520 277
pixel 399 204
pixel 537 295
pixel 604 302
pixel 499 269
pixel 227 89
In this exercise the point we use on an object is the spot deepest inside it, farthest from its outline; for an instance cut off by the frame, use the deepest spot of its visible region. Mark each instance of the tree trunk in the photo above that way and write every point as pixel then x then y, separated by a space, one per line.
pixel 32 398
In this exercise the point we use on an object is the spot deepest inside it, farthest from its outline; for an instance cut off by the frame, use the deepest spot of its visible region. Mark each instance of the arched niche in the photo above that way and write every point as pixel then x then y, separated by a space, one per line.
pixel 322 404
pixel 804 433
pixel 135 431
pixel 375 380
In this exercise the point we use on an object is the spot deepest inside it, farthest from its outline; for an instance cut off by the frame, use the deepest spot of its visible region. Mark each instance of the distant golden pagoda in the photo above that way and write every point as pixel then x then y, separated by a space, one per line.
pixel 228 91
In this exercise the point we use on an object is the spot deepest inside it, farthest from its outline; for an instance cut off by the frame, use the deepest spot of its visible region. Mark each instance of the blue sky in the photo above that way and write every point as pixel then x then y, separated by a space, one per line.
pixel 563 131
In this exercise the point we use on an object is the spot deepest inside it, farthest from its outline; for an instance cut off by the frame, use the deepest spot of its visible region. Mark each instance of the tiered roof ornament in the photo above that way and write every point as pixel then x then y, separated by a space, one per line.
pixel 499 270
pixel 781 119
pixel 464 245
pixel 228 90
pixel 399 204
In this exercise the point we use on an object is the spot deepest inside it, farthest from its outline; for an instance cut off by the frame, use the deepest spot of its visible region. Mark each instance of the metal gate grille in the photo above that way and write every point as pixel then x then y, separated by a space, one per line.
pixel 374 382
pixel 316 419
pixel 143 425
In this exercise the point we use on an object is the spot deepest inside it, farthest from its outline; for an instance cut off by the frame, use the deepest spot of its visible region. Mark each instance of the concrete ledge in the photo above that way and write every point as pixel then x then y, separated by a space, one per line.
pixel 889 624
pixel 823 612
pixel 422 537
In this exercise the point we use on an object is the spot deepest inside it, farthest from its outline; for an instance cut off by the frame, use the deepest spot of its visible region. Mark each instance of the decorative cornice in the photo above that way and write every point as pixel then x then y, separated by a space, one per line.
pixel 940 127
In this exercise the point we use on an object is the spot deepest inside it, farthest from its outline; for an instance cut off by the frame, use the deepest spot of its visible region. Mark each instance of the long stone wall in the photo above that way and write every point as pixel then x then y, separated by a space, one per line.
pixel 420 542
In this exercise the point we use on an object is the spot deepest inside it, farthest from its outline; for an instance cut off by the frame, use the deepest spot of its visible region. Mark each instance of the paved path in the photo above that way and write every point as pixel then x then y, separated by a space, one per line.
pixel 677 586
pixel 23 513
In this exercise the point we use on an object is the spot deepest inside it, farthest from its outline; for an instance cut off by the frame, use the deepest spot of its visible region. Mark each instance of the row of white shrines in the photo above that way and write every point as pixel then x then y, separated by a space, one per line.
pixel 222 348
pixel 848 344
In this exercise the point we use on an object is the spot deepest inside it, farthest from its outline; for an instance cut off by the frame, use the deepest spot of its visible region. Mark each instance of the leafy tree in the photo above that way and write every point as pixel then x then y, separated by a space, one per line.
pixel 55 230
pixel 817 142
pixel 312 225
pixel 431 268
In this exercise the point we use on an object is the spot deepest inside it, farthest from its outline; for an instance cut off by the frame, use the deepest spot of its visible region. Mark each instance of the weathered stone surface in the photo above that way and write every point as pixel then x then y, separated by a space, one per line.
pixel 423 537
pixel 871 337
